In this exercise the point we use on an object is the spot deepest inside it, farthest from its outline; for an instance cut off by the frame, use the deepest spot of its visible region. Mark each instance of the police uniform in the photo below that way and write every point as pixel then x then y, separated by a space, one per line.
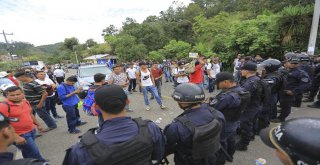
pixel 228 102
pixel 115 131
pixel 315 87
pixel 194 136
pixel 178 134
pixel 297 82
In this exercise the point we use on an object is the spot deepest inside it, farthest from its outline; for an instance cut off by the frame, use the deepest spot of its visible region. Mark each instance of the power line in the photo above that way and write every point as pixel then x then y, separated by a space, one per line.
pixel 8 45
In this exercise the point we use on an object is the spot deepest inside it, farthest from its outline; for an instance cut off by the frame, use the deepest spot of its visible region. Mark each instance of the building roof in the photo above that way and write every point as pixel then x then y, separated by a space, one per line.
pixel 100 56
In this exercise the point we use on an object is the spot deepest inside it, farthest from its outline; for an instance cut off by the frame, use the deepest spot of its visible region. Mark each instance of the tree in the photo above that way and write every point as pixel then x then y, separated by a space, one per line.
pixel 177 50
pixel 90 43
pixel 110 30
pixel 69 43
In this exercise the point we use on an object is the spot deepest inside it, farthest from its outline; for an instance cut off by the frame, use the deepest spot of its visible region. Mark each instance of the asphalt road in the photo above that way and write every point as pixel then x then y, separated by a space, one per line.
pixel 54 143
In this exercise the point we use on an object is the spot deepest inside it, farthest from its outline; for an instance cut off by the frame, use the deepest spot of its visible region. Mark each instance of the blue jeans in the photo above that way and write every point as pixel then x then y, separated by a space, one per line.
pixel 168 76
pixel 51 106
pixel 45 116
pixel 153 91
pixel 30 149
pixel 211 84
pixel 73 116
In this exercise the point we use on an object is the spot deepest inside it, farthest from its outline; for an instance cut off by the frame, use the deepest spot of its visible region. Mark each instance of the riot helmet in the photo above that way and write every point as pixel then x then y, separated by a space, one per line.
pixel 271 65
pixel 188 93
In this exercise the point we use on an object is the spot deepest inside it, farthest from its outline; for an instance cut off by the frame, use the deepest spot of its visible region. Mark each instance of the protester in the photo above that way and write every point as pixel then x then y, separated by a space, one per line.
pixel 146 82
pixel 213 68
pixel 167 70
pixel 37 96
pixel 59 75
pixel 4 79
pixel 11 77
pixel 68 96
pixel 131 73
pixel 50 87
pixel 121 139
pixel 197 76
pixel 157 75
pixel 119 78
pixel 180 74
pixel 17 107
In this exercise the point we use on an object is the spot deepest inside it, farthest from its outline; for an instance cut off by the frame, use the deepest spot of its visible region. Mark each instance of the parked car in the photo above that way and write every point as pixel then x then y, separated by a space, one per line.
pixel 85 76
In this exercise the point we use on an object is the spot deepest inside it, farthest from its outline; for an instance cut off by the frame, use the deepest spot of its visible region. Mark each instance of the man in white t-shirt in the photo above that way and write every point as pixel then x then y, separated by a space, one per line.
pixel 50 87
pixel 180 74
pixel 131 72
pixel 213 68
pixel 59 74
pixel 147 84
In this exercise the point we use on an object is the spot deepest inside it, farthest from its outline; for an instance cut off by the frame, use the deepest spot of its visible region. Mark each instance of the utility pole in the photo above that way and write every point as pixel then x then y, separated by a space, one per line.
pixel 314 28
pixel 8 46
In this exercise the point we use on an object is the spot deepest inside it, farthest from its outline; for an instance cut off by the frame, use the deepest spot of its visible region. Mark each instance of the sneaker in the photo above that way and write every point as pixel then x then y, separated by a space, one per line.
pixel 163 107
pixel 148 108
pixel 82 123
pixel 151 98
pixel 307 100
pixel 76 131
pixel 129 110
pixel 134 90
pixel 313 106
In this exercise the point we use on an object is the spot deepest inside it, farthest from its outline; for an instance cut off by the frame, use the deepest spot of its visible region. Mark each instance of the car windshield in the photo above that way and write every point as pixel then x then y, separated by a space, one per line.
pixel 90 72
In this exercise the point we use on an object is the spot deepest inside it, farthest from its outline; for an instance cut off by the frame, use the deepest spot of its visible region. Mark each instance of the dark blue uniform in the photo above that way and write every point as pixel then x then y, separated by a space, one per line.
pixel 178 134
pixel 250 115
pixel 276 85
pixel 6 157
pixel 228 101
pixel 297 82
pixel 119 130
pixel 315 85
pixel 309 70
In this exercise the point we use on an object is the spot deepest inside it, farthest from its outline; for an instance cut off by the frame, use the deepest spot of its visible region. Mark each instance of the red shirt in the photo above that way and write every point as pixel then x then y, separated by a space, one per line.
pixel 156 73
pixel 21 111
pixel 197 76
pixel 16 82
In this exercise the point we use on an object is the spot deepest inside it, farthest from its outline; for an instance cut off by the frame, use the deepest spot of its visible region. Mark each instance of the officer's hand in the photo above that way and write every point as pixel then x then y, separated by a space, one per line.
pixel 290 93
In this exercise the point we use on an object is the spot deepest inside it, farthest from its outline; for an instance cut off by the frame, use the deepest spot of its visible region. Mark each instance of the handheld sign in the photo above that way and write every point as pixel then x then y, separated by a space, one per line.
pixel 193 55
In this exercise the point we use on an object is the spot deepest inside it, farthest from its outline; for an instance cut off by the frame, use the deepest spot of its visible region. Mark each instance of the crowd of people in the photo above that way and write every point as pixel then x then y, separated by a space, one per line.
pixel 208 132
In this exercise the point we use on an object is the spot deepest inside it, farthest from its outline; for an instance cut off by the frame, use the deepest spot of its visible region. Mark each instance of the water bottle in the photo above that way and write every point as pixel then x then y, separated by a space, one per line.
pixel 261 161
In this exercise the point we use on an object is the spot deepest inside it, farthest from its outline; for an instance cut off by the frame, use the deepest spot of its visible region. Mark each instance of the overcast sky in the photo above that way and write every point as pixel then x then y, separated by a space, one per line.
pixel 43 22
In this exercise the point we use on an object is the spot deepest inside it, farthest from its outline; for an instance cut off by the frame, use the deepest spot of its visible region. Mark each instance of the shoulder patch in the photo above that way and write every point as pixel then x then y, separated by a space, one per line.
pixel 305 79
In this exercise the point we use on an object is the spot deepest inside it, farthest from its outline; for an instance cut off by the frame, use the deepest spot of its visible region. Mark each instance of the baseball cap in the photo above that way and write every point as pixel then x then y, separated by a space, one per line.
pixel 3 74
pixel 110 97
pixel 250 66
pixel 222 76
pixel 5 121
pixel 299 138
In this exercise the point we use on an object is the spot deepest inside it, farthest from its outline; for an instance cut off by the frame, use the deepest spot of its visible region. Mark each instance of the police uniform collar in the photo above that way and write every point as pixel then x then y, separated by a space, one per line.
pixel 115 120
pixel 191 110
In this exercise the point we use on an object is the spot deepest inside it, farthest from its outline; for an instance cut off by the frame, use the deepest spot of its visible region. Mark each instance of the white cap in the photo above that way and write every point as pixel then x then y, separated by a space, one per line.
pixel 3 74
pixel 3 87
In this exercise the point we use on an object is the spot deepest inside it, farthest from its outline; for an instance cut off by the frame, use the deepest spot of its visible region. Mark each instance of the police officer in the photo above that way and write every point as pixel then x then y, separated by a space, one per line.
pixel 231 102
pixel 296 141
pixel 297 82
pixel 249 116
pixel 194 136
pixel 120 139
pixel 315 85
pixel 276 81
pixel 304 65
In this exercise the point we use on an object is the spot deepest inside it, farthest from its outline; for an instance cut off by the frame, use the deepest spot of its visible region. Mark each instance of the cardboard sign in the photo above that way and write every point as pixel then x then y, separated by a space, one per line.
pixel 193 55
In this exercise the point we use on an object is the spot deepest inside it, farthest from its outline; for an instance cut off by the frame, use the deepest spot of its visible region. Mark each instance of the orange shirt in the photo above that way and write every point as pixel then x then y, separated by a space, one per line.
pixel 21 111
pixel 197 76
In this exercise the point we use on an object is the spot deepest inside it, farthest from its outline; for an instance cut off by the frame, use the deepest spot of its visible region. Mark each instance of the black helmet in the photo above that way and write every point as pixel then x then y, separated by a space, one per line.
pixel 299 138
pixel 294 59
pixel 303 57
pixel 188 93
pixel 271 65
pixel 288 55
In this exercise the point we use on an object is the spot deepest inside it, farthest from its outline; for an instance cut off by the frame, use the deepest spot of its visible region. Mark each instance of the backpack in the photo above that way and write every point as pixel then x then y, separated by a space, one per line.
pixel 136 151
pixel 263 91
pixel 89 103
pixel 190 67
pixel 205 138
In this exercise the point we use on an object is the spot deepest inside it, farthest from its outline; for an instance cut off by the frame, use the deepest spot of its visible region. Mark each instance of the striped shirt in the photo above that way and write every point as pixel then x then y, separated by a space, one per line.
pixel 33 92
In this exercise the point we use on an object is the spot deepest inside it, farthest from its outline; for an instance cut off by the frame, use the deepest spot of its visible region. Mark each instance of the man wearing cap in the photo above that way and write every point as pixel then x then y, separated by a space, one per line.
pixel 120 139
pixel 296 141
pixel 212 69
pixel 247 118
pixel 68 96
pixel 4 78
pixel 16 106
pixel 229 102
pixel 297 82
